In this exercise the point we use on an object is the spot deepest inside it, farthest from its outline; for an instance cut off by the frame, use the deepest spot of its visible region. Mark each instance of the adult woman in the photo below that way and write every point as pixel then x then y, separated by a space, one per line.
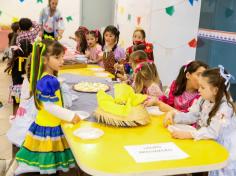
pixel 51 21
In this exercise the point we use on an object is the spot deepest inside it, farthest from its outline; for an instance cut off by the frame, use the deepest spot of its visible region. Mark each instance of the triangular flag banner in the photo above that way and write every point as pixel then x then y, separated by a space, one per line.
pixel 129 17
pixel 122 43
pixel 121 10
pixel 170 10
pixel 15 19
pixel 193 43
pixel 0 12
pixel 69 18
pixel 22 0
pixel 138 20
pixel 39 1
pixel 228 12
pixel 191 2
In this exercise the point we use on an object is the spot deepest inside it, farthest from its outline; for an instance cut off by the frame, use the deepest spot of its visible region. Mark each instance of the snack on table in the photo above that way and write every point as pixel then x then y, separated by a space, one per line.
pixel 90 87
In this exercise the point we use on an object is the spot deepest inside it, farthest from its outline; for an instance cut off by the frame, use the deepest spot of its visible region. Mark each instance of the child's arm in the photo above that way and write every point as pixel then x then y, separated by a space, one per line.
pixel 73 38
pixel 60 112
pixel 47 87
pixel 170 99
pixel 218 121
pixel 154 90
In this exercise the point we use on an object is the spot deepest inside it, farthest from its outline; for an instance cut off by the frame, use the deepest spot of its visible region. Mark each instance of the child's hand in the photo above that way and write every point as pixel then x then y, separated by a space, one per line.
pixel 181 134
pixel 169 119
pixel 150 101
pixel 76 119
pixel 87 53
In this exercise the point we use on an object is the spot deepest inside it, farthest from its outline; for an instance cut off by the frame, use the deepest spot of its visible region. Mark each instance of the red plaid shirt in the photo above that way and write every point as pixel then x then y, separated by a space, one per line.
pixel 30 35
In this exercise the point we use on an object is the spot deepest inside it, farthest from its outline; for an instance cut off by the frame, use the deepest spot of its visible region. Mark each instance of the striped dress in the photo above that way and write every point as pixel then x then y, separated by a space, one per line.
pixel 45 148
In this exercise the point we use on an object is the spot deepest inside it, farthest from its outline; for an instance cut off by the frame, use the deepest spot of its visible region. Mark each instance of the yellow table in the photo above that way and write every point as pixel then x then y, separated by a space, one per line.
pixel 107 156
pixel 85 71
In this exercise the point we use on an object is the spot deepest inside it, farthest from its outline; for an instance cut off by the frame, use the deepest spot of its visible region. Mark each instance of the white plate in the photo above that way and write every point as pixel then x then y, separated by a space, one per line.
pixel 96 69
pixel 102 74
pixel 81 59
pixel 88 133
pixel 181 127
pixel 154 110
pixel 82 114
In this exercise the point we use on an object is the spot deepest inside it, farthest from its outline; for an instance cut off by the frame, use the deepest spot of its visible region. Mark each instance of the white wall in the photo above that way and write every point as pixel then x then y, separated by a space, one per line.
pixel 169 34
pixel 31 9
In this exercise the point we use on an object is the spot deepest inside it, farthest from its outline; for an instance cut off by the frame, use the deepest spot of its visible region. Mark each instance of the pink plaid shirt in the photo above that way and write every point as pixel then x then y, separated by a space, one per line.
pixel 30 35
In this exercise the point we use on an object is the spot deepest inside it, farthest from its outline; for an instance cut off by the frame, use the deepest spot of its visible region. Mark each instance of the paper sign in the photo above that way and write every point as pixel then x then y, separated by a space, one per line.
pixel 155 152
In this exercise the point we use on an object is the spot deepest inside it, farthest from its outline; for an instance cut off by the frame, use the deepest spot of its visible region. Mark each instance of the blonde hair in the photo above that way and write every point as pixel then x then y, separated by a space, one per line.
pixel 137 57
pixel 145 71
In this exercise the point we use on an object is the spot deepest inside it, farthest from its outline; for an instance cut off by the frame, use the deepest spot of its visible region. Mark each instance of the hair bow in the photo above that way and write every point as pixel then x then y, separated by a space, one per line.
pixel 226 76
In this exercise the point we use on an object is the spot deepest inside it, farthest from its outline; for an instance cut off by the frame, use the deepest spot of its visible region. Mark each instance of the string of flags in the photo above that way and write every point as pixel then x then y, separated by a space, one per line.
pixel 68 18
pixel 170 10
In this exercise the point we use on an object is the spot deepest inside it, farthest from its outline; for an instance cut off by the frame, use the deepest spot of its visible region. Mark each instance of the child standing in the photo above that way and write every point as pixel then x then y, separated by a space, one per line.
pixel 45 148
pixel 146 79
pixel 94 51
pixel 183 91
pixel 214 114
pixel 11 40
pixel 80 38
pixel 17 66
pixel 28 30
pixel 112 52
pixel 139 43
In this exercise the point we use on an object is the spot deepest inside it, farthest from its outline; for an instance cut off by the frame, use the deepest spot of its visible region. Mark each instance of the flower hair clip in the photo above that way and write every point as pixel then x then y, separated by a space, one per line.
pixel 138 68
pixel 226 76
pixel 187 65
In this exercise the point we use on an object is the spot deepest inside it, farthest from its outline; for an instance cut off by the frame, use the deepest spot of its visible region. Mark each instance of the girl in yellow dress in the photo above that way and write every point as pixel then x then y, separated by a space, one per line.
pixel 45 149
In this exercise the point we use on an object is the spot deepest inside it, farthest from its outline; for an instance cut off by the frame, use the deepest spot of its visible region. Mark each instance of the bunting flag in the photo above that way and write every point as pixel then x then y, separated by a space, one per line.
pixel 15 19
pixel 192 1
pixel 122 43
pixel 138 20
pixel 121 10
pixel 22 0
pixel 0 12
pixel 228 12
pixel 129 17
pixel 39 1
pixel 69 18
pixel 170 10
pixel 193 43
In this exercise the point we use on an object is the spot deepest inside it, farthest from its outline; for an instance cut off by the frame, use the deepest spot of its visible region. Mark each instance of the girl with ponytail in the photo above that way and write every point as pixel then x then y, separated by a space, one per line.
pixel 45 149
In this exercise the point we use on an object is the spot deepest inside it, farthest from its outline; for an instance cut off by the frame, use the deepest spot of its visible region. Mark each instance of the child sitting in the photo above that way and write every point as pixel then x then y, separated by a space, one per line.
pixel 94 51
pixel 183 91
pixel 146 79
pixel 139 43
pixel 112 52
pixel 80 38
pixel 214 114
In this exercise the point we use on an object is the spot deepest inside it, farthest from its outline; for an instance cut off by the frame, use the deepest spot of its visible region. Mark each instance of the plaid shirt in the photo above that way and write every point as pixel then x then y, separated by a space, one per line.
pixel 30 34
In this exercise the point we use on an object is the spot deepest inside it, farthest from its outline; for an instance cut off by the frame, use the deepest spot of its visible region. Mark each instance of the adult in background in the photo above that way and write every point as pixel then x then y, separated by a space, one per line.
pixel 51 21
